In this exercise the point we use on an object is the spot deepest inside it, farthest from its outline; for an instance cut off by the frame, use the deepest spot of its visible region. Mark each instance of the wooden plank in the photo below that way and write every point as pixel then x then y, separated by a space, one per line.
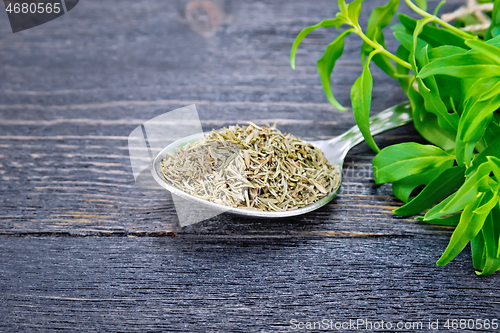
pixel 208 284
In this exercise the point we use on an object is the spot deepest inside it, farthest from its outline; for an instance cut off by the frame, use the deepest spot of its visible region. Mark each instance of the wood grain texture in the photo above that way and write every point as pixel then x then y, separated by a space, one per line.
pixel 208 284
pixel 72 91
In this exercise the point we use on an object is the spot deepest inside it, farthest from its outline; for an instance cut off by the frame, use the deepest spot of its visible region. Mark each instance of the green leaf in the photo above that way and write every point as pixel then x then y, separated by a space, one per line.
pixel 407 41
pixel 473 65
pixel 353 11
pixel 494 29
pixel 469 226
pixel 422 4
pixel 466 194
pixel 402 160
pixel 426 123
pixel 438 189
pixel 496 217
pixel 445 51
pixel 477 249
pixel 493 149
pixel 488 206
pixel 435 212
pixel 451 220
pixel 361 97
pixel 480 90
pixel 342 7
pixel 495 41
pixel 465 85
pixel 491 93
pixel 399 28
pixel 326 64
pixel 403 53
pixel 380 18
pixel 476 117
pixel 490 233
pixel 485 49
pixel 496 119
pixel 450 92
pixel 433 35
pixel 495 165
pixel 413 52
pixel 403 188
pixel 492 133
pixel 433 102
pixel 336 22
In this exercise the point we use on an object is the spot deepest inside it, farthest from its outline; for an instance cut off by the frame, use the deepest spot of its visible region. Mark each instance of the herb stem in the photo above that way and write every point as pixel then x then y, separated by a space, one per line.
pixel 380 48
pixel 402 76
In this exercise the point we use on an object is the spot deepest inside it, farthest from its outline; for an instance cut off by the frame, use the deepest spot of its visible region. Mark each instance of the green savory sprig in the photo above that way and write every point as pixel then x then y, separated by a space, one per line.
pixel 452 79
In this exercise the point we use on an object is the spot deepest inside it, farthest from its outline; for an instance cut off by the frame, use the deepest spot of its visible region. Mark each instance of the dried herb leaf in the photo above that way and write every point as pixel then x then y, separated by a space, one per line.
pixel 252 167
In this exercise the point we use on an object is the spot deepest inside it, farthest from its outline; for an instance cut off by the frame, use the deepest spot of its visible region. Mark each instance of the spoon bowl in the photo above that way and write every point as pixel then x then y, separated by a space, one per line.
pixel 335 151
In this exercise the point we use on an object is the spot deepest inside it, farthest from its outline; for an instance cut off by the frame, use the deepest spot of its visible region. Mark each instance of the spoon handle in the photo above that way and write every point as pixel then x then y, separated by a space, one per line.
pixel 395 116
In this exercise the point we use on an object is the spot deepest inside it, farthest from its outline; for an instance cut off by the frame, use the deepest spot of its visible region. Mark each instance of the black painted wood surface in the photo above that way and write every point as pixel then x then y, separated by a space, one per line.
pixel 72 90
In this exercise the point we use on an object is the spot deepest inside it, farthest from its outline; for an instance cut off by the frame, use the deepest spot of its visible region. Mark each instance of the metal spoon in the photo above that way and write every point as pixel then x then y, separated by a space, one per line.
pixel 335 151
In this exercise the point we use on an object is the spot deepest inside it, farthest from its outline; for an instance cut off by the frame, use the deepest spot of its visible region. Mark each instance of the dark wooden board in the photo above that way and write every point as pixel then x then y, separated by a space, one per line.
pixel 212 284
pixel 72 90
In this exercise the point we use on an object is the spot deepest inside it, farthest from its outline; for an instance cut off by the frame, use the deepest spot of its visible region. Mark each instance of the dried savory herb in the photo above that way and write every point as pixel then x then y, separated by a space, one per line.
pixel 252 167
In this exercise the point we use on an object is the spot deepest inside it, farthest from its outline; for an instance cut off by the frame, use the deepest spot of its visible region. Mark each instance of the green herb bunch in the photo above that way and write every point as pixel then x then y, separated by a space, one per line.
pixel 452 80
